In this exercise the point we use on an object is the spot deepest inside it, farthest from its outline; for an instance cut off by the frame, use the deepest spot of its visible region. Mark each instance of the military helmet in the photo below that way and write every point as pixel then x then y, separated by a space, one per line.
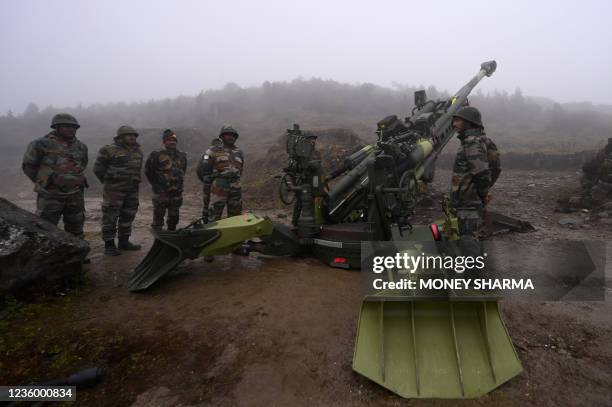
pixel 125 130
pixel 470 114
pixel 64 119
pixel 167 134
pixel 228 129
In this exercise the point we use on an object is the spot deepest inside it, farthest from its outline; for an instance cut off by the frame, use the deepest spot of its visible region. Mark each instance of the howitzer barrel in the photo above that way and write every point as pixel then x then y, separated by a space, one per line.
pixel 442 130
pixel 352 161
pixel 348 183
pixel 460 98
pixel 358 156
pixel 421 156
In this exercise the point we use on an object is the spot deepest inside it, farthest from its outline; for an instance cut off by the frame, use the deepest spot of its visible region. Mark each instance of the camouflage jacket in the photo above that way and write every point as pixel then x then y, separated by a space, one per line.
pixel 56 165
pixel 476 168
pixel 600 167
pixel 118 166
pixel 165 170
pixel 604 171
pixel 221 166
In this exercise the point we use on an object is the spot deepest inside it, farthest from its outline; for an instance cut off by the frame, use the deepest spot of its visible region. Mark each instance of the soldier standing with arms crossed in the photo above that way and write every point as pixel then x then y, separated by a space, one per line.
pixel 165 170
pixel 118 167
pixel 55 163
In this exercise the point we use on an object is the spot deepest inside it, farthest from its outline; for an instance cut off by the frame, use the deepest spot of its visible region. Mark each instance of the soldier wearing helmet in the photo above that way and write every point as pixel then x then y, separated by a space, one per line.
pixel 220 169
pixel 165 169
pixel 55 163
pixel 118 167
pixel 477 167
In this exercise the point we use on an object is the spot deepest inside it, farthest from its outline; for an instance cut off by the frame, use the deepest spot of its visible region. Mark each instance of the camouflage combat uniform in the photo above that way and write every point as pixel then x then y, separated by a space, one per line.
pixel 597 179
pixel 118 167
pixel 56 167
pixel 477 167
pixel 220 169
pixel 165 170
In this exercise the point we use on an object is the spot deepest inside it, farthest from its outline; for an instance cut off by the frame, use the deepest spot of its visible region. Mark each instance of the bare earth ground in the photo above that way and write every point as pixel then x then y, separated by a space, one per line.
pixel 250 331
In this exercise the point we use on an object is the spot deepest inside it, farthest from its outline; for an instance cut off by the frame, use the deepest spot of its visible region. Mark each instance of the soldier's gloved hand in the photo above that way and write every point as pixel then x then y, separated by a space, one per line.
pixel 205 216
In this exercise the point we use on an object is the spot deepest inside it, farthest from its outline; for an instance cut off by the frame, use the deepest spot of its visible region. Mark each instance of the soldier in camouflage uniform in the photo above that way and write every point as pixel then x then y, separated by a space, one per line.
pixel 477 167
pixel 55 163
pixel 219 170
pixel 118 167
pixel 597 177
pixel 165 170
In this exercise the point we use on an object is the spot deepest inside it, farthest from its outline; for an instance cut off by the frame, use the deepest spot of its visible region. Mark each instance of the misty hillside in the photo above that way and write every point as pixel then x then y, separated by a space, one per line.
pixel 261 114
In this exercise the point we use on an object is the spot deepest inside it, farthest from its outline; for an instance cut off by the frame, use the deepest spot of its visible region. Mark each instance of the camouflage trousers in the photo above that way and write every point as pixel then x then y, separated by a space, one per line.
pixel 219 199
pixel 71 207
pixel 166 201
pixel 463 192
pixel 118 208
pixel 600 192
pixel 471 219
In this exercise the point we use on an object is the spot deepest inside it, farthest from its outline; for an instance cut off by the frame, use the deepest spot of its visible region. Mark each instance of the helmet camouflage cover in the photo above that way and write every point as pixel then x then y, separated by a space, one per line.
pixel 470 114
pixel 124 130
pixel 228 129
pixel 64 119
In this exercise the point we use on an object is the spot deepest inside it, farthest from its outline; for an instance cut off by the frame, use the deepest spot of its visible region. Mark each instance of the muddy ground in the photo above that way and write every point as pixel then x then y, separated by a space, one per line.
pixel 251 331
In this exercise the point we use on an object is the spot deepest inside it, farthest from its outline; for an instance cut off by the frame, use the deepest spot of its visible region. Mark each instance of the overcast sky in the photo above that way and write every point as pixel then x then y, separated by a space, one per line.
pixel 66 52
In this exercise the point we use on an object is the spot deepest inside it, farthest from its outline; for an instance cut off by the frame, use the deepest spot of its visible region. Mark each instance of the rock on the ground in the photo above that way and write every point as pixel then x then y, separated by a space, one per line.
pixel 570 221
pixel 157 397
pixel 34 252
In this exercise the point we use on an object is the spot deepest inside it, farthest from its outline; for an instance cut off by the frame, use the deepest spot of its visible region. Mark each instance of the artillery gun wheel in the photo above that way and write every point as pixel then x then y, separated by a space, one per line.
pixel 408 193
pixel 287 196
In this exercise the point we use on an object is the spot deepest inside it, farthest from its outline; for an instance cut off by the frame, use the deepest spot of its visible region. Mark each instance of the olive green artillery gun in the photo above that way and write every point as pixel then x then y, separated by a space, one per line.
pixel 416 347
pixel 370 197
pixel 373 194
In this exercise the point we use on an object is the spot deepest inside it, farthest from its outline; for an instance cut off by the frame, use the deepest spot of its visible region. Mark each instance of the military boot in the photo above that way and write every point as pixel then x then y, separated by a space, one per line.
pixel 125 244
pixel 110 249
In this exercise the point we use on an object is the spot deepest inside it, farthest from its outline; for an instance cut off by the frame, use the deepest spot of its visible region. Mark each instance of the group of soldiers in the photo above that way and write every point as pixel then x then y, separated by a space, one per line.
pixel 56 165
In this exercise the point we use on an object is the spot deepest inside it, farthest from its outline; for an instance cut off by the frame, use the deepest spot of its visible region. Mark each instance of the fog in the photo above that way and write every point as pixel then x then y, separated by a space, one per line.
pixel 65 53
